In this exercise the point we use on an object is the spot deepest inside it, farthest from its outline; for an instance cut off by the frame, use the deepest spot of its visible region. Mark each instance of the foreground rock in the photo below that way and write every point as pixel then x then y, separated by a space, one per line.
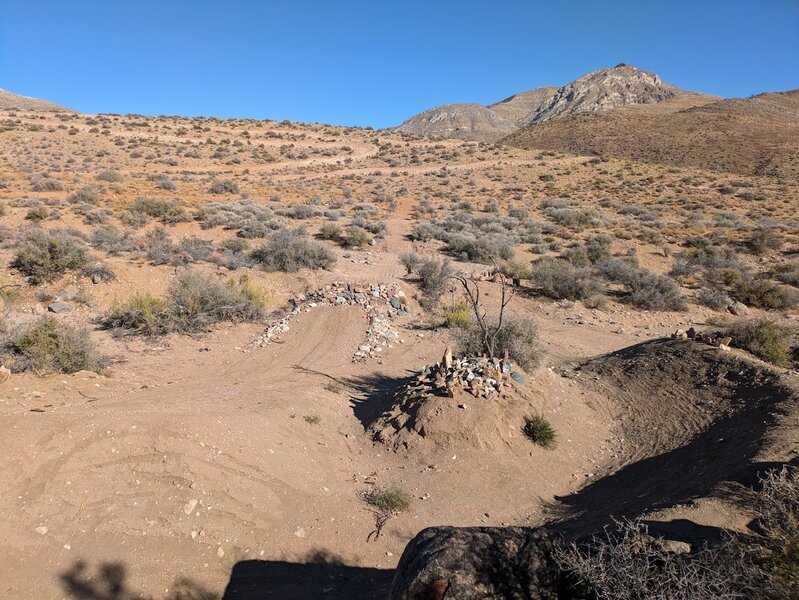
pixel 477 563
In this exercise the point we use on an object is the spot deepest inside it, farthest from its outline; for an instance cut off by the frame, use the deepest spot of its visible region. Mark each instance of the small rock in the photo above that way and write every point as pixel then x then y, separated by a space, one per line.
pixel 739 309
pixel 190 506
pixel 41 530
pixel 68 293
pixel 58 307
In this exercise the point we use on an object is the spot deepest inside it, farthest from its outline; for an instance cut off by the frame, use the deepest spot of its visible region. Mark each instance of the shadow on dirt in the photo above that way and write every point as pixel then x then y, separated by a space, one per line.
pixel 317 579
pixel 108 582
pixel 321 576
pixel 372 394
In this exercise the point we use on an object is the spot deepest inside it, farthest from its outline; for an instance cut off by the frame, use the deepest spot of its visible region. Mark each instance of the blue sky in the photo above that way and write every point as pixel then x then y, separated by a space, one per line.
pixel 376 62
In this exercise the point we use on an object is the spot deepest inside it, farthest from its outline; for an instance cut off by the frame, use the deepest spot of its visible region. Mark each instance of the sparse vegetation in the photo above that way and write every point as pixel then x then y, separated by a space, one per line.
pixel 559 279
pixel 290 251
pixel 46 257
pixel 193 303
pixel 764 338
pixel 385 503
pixel 49 346
pixel 625 562
pixel 433 278
pixel 539 430
pixel 517 335
pixel 225 186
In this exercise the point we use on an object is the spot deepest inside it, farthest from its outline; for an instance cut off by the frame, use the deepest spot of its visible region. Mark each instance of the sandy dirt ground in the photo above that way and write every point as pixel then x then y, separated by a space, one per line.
pixel 202 467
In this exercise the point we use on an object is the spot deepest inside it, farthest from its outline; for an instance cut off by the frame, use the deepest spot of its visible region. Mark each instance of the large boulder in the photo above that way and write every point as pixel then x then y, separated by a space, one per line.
pixel 471 563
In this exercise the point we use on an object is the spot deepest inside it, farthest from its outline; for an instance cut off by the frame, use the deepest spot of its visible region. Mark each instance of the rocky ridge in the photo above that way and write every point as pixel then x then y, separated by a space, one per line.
pixel 598 91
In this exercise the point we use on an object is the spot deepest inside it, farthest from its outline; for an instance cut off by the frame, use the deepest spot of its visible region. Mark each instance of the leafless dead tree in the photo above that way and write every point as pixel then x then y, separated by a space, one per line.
pixel 489 329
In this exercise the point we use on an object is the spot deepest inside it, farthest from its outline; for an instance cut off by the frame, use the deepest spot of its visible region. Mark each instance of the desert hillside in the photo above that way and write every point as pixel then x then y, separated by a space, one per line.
pixel 752 136
pixel 225 342
pixel 9 101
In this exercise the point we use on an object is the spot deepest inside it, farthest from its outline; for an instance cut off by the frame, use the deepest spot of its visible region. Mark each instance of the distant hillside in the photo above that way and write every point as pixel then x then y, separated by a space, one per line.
pixel 752 136
pixel 462 121
pixel 598 91
pixel 9 101
pixel 520 106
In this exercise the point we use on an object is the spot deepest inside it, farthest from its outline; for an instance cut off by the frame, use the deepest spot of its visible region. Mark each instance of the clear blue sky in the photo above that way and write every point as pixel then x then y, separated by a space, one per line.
pixel 376 62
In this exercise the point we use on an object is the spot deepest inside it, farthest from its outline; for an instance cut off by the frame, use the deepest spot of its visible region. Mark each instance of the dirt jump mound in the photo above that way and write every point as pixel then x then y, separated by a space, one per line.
pixel 454 405
pixel 692 417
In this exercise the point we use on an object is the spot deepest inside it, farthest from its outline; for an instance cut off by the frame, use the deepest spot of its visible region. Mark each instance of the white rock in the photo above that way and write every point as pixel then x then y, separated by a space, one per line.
pixel 190 506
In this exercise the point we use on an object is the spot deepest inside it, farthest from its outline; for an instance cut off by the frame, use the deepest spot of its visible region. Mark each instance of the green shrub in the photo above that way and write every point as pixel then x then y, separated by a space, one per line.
pixel 765 239
pixel 111 240
pixel 49 346
pixel 46 257
pixel 290 251
pixel 626 562
pixel 99 272
pixel 196 301
pixel 356 237
pixel 389 500
pixel 86 195
pixel 764 338
pixel 166 211
pixel 225 186
pixel 777 517
pixel 330 231
pixel 45 184
pixel 539 430
pixel 644 289
pixel 486 249
pixel 433 278
pixel 193 302
pixel 764 293
pixel 518 335
pixel 110 176
pixel 789 273
pixel 142 314
pixel 411 261
pixel 37 213
pixel 236 245
pixel 515 270
pixel 559 279
pixel 459 315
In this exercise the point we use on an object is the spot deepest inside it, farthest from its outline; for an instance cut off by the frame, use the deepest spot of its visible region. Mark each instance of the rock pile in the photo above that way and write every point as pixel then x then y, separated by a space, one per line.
pixel 479 376
pixel 382 302
pixel 710 338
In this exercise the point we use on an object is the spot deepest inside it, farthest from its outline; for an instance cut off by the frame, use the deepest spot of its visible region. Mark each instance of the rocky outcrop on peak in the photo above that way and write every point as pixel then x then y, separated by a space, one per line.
pixel 604 90
pixel 598 91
